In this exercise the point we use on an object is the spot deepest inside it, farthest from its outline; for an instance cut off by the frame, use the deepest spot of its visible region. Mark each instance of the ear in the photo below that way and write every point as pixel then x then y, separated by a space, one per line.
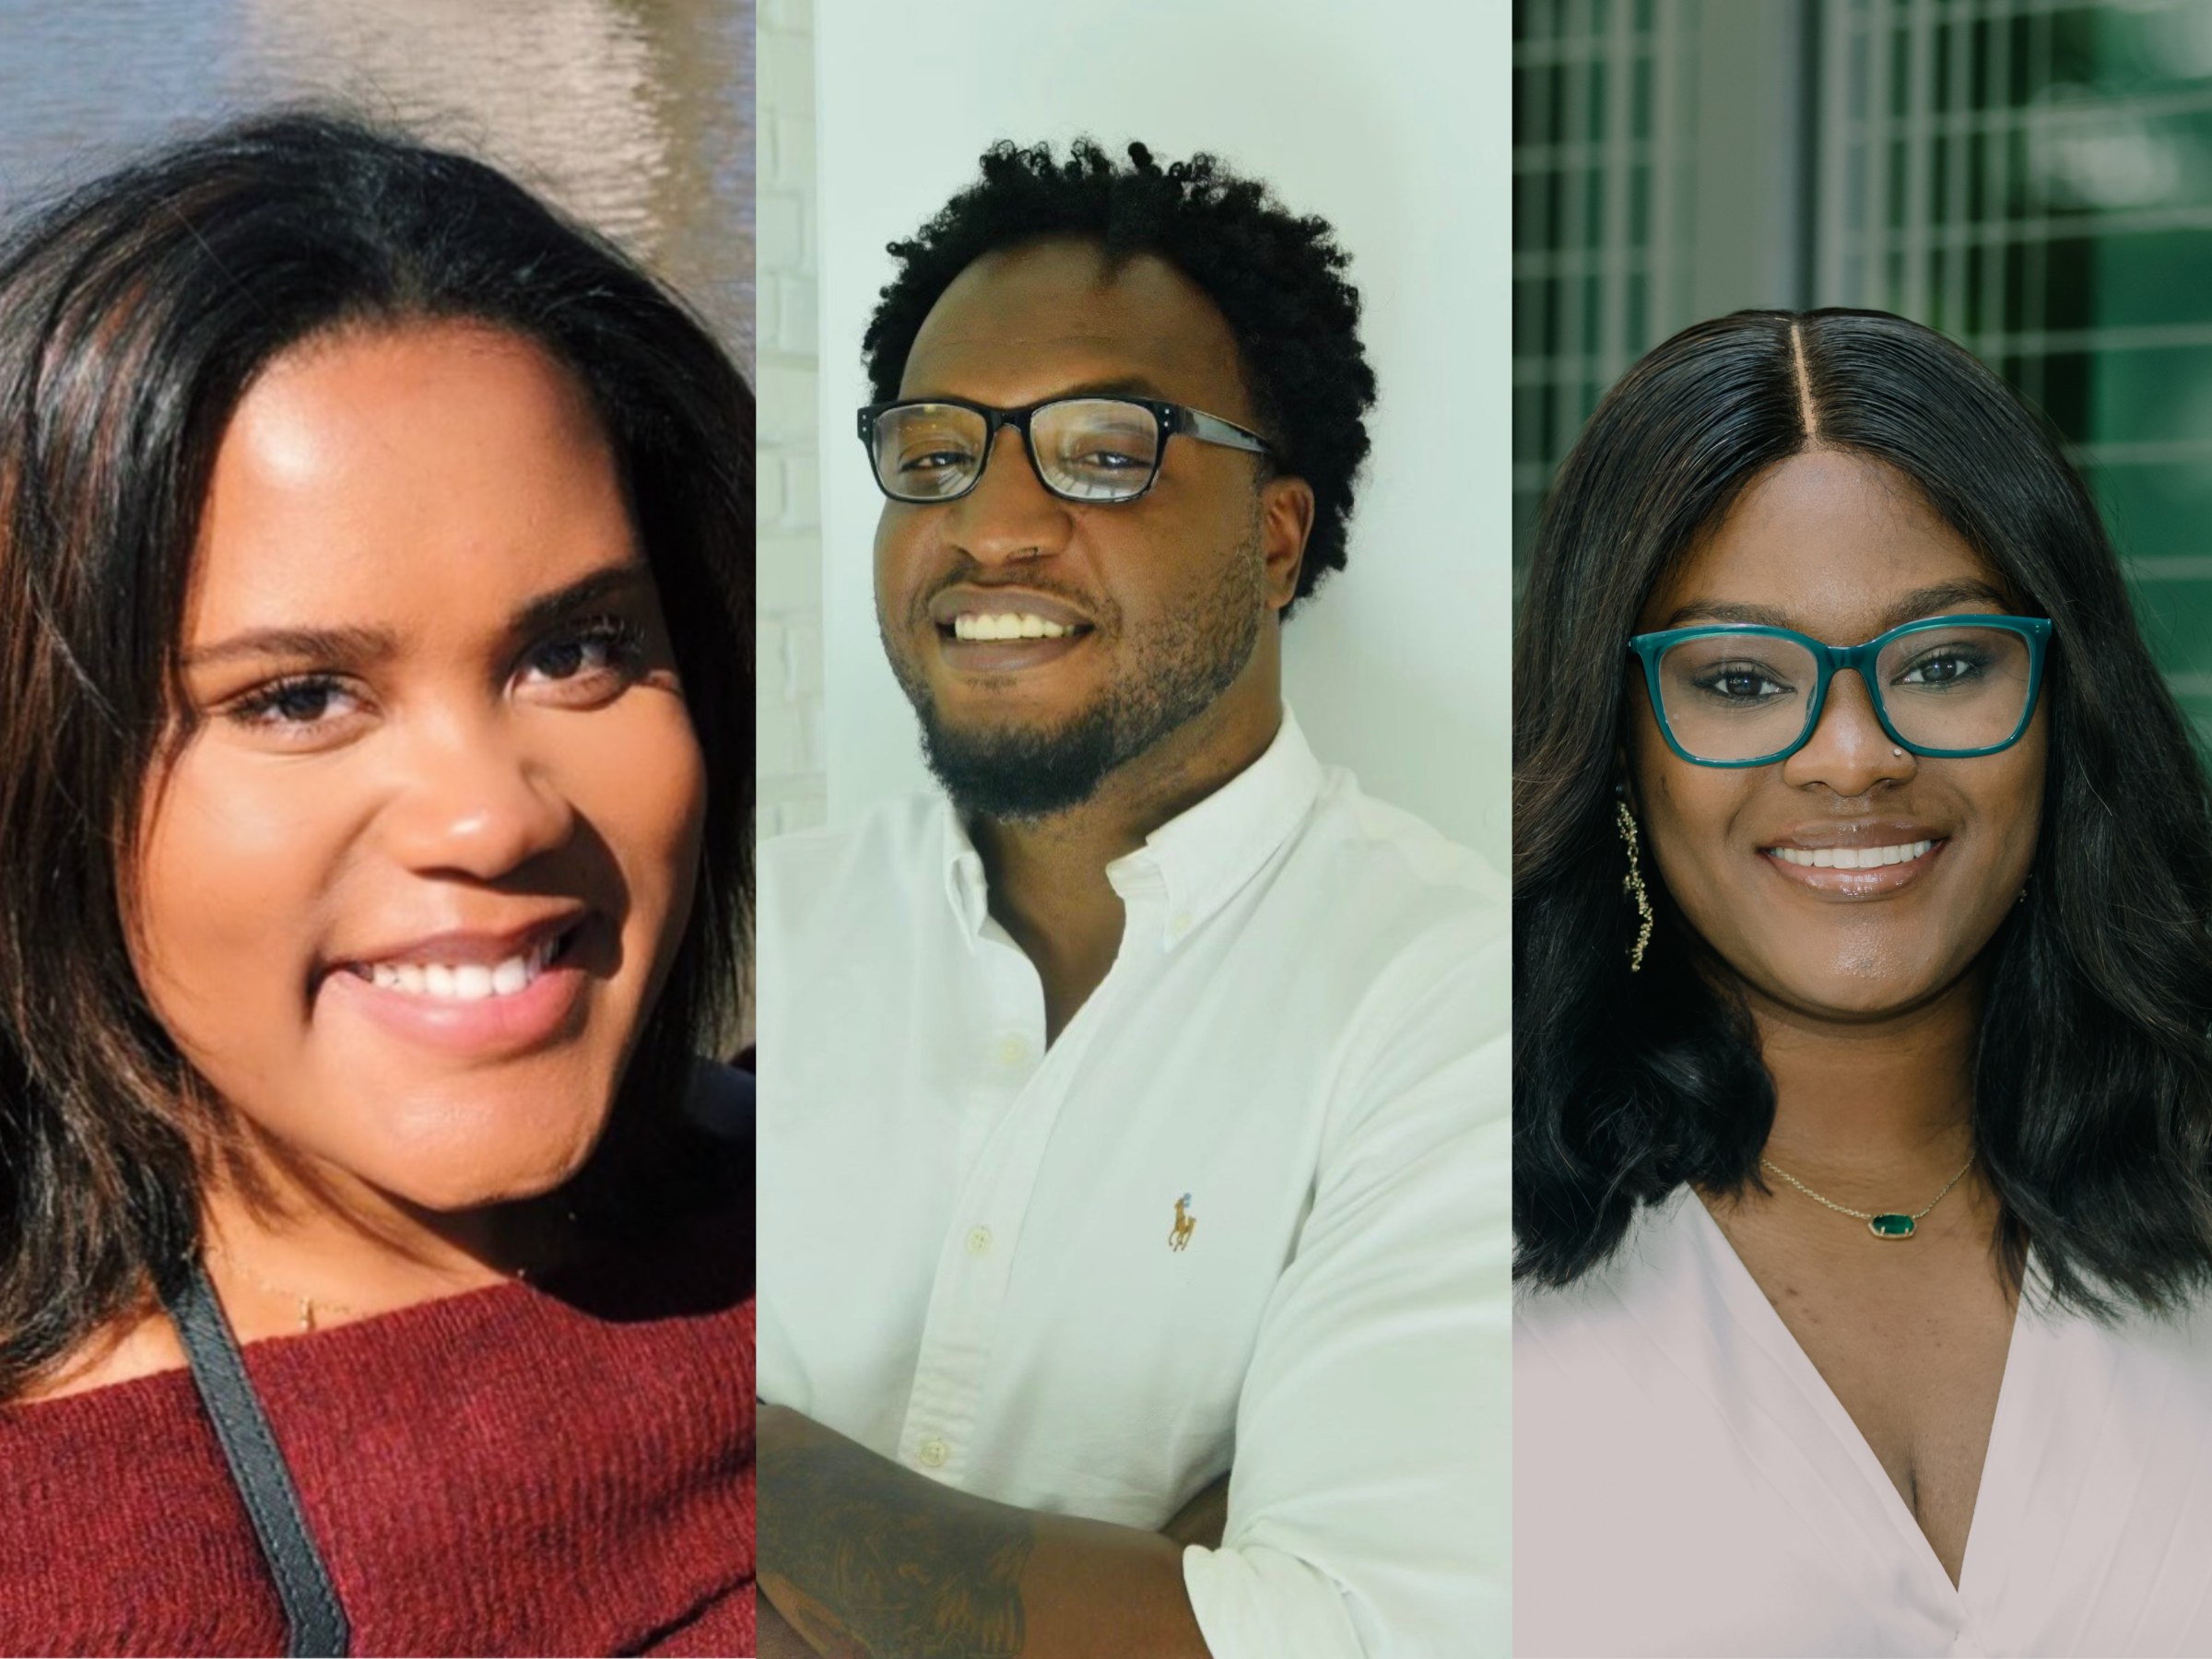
pixel 1285 521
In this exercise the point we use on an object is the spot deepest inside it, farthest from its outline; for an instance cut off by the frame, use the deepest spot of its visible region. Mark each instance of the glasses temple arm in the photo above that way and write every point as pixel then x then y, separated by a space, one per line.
pixel 1212 429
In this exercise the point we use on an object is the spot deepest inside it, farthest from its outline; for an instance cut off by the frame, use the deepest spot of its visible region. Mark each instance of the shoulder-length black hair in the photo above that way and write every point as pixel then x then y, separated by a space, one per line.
pixel 2092 1111
pixel 133 313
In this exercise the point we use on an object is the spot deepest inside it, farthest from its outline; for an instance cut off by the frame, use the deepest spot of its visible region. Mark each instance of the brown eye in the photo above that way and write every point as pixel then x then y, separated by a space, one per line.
pixel 605 647
pixel 304 701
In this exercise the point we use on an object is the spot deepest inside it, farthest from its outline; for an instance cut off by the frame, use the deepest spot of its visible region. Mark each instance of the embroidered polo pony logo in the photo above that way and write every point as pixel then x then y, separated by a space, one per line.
pixel 1185 1224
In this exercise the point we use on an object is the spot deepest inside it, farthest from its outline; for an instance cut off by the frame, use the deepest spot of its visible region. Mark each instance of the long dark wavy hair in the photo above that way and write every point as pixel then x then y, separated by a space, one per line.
pixel 133 313
pixel 2092 1114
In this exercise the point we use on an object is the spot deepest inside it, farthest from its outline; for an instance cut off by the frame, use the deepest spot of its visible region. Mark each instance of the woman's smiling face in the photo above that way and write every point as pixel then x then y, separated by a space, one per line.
pixel 409 887
pixel 1840 547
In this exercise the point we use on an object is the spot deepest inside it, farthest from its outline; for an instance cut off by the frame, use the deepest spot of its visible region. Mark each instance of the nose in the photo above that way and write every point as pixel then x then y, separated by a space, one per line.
pixel 473 802
pixel 1009 516
pixel 1849 751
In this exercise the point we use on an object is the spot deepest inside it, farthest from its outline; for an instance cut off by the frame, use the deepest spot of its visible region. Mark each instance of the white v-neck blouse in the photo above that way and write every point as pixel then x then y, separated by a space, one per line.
pixel 1685 1482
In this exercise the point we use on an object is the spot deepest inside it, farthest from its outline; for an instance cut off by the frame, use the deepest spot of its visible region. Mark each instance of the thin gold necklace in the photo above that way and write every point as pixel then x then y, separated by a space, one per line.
pixel 309 1305
pixel 1882 1224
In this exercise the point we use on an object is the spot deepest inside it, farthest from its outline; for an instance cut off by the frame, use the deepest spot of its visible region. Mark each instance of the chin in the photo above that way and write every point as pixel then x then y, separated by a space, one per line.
pixel 1853 989
pixel 476 1184
pixel 463 1148
pixel 1011 706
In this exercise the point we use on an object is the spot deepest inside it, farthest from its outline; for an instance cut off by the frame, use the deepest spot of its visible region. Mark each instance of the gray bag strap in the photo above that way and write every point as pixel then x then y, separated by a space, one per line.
pixel 314 1619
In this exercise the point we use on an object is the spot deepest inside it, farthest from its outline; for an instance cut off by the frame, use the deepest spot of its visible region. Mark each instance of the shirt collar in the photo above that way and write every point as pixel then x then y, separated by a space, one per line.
pixel 1196 861
pixel 1200 859
pixel 965 887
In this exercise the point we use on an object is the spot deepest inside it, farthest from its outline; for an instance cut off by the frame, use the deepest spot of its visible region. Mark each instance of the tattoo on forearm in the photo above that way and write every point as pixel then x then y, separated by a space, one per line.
pixel 861 1568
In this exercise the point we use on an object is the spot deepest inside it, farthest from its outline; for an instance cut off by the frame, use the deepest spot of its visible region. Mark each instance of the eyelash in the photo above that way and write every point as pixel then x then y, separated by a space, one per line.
pixel 256 709
pixel 624 640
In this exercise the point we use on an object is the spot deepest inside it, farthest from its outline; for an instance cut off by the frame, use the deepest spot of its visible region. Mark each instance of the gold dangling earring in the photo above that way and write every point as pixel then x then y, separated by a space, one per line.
pixel 1632 884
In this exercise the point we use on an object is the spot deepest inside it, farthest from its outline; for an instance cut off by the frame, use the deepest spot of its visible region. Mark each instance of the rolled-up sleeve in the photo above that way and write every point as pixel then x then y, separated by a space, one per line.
pixel 1370 1500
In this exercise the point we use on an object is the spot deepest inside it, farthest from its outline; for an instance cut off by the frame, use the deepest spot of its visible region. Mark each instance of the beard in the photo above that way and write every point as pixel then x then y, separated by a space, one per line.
pixel 1169 674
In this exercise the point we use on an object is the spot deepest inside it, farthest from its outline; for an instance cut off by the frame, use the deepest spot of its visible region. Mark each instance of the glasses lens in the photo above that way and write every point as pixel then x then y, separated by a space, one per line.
pixel 1735 696
pixel 1095 449
pixel 928 452
pixel 1956 688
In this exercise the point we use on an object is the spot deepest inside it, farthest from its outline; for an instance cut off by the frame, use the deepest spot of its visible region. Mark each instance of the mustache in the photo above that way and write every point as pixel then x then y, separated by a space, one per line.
pixel 968 573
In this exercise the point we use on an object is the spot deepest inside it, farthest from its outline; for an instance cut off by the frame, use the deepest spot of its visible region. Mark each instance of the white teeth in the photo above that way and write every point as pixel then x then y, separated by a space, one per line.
pixel 1007 625
pixel 1853 858
pixel 464 982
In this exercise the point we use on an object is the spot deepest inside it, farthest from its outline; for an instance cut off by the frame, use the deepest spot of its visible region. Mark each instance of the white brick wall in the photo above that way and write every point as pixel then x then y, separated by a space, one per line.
pixel 788 723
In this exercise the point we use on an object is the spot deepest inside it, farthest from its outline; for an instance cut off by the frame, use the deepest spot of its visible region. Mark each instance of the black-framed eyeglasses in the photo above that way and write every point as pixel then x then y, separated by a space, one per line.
pixel 1739 694
pixel 1084 449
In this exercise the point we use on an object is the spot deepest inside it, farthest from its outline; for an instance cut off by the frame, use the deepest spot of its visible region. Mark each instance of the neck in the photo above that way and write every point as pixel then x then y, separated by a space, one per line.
pixel 281 1236
pixel 1047 876
pixel 1872 1104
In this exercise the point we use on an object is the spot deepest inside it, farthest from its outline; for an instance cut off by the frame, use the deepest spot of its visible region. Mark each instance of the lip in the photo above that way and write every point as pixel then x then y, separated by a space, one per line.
pixel 1005 656
pixel 967 597
pixel 1856 833
pixel 484 945
pixel 1856 884
pixel 548 1009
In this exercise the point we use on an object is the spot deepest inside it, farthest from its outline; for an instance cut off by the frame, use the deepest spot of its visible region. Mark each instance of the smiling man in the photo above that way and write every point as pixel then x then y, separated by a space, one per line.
pixel 1133 1113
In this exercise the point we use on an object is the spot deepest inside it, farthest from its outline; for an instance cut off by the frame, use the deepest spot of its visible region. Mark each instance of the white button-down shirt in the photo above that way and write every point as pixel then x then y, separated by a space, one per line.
pixel 1250 1208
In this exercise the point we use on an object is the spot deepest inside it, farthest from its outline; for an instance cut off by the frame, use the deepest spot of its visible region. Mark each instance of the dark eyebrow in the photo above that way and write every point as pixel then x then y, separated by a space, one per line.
pixel 1908 608
pixel 1128 386
pixel 617 582
pixel 1929 601
pixel 1716 610
pixel 348 647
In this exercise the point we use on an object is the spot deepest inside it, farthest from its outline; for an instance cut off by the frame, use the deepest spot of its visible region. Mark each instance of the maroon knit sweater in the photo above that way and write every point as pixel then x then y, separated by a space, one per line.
pixel 507 1471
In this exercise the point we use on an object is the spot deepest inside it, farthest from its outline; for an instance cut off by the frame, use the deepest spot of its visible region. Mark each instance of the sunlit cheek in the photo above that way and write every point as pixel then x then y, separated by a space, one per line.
pixel 635 772
pixel 236 860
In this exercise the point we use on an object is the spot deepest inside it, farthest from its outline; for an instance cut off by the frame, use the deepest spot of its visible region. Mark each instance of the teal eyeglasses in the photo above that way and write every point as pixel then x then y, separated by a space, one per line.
pixel 1739 694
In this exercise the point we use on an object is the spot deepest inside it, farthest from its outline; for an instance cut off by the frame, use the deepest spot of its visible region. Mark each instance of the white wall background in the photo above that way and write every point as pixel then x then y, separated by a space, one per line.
pixel 1391 119
pixel 788 762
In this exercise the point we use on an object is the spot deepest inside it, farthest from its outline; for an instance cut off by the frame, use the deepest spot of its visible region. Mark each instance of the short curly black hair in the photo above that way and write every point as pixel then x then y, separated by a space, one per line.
pixel 1278 279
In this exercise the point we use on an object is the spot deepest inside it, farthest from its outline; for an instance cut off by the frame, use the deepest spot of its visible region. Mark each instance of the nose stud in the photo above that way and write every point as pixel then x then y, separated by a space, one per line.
pixel 1898 753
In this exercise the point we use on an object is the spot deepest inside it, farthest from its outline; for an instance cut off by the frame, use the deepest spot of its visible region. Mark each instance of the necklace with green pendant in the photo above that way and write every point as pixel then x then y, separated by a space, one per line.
pixel 1882 1224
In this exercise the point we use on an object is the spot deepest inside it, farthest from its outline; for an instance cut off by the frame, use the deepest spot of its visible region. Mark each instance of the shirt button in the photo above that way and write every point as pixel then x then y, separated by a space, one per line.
pixel 933 1451
pixel 1013 1051
pixel 978 1240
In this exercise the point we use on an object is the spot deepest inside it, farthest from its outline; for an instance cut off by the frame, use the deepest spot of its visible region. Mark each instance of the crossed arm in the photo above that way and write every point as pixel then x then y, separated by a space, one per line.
pixel 860 1557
